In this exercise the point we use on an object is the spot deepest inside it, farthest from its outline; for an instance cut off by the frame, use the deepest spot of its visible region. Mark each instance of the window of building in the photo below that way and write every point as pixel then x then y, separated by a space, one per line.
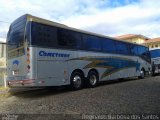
pixel 152 46
pixel 156 45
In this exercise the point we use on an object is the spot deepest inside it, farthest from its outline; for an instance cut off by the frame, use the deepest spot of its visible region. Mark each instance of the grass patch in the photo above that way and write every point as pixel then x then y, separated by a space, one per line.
pixel 4 91
pixel 5 95
pixel 2 88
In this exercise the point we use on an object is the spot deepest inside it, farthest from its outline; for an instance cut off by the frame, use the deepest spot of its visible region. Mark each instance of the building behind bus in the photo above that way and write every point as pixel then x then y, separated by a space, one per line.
pixel 2 62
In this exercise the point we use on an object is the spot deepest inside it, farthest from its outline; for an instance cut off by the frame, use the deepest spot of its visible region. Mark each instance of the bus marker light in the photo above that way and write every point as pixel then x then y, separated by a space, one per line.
pixel 41 82
pixel 28 61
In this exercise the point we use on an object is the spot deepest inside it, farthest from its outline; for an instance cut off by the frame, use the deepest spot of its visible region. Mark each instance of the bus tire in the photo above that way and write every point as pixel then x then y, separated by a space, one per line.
pixel 92 79
pixel 142 74
pixel 76 80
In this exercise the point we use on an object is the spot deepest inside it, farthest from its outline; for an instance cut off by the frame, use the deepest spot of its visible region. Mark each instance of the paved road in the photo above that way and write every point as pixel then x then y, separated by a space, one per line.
pixel 136 96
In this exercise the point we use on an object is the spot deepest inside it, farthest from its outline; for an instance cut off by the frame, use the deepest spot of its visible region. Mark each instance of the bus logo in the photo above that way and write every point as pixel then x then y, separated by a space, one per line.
pixel 16 62
pixel 52 54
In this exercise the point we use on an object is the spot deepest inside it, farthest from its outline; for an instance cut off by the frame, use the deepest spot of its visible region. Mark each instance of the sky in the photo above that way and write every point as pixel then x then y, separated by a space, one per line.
pixel 107 17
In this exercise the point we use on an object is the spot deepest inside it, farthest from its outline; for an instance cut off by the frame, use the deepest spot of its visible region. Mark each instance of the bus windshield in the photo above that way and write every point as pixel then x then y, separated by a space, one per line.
pixel 155 53
pixel 15 37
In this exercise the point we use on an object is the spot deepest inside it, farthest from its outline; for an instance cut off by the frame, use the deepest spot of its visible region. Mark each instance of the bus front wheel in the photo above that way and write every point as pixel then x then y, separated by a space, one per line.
pixel 76 80
pixel 142 74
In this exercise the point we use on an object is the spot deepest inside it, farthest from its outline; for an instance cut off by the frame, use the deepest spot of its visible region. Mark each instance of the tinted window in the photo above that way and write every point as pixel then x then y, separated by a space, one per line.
pixel 155 53
pixel 15 37
pixel 142 50
pixel 122 48
pixel 144 53
pixel 44 35
pixel 91 42
pixel 16 33
pixel 134 49
pixel 108 45
pixel 70 39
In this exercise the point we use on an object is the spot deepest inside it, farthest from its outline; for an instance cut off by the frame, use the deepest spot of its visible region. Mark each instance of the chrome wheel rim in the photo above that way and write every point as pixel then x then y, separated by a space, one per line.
pixel 93 80
pixel 77 81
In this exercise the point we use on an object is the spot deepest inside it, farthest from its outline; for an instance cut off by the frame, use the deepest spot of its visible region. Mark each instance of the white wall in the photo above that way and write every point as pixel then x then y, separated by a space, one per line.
pixel 2 39
pixel 2 61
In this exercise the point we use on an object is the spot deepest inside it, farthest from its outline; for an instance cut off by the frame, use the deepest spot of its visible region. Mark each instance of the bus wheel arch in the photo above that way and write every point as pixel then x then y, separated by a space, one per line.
pixel 92 78
pixel 77 79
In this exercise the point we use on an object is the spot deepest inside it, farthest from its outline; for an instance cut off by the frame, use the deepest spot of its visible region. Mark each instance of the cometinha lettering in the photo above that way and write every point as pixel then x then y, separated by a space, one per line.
pixel 52 54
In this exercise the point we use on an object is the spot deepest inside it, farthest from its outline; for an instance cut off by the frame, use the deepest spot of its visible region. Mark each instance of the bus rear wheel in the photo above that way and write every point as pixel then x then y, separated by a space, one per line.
pixel 92 79
pixel 76 80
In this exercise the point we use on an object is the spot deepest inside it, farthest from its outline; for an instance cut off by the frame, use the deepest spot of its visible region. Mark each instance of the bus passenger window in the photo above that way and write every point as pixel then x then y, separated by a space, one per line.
pixel 91 42
pixel 108 45
pixel 69 39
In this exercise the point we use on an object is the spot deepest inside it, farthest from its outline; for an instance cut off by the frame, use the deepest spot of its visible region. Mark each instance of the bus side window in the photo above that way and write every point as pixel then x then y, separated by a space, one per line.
pixel 133 49
pixel 122 48
pixel 144 53
pixel 92 42
pixel 44 35
pixel 69 39
pixel 108 45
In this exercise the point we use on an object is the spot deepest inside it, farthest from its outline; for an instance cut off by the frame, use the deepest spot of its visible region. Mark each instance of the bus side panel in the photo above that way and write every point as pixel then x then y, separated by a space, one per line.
pixel 120 67
pixel 52 66
pixel 100 62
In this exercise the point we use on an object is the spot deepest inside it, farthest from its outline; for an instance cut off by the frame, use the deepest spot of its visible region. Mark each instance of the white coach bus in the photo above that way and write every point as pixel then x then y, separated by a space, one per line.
pixel 45 53
pixel 155 58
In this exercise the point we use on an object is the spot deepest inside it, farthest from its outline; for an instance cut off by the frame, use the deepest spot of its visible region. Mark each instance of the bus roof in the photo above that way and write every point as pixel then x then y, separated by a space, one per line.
pixel 158 48
pixel 48 22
